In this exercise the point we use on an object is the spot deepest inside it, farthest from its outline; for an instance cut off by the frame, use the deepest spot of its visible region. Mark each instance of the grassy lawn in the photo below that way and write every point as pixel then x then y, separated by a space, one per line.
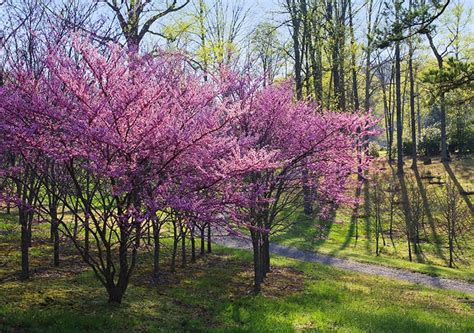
pixel 213 294
pixel 339 236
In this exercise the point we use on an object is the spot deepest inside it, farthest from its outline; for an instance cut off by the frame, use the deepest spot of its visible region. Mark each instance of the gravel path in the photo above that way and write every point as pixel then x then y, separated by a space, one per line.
pixel 308 256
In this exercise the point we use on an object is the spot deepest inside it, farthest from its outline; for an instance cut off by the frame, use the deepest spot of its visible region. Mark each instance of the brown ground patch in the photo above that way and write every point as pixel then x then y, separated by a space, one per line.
pixel 283 281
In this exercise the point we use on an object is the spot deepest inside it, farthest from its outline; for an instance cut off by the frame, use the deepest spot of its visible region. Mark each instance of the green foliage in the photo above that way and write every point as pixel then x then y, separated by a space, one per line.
pixel 461 140
pixel 407 148
pixel 430 143
pixel 374 149
pixel 455 74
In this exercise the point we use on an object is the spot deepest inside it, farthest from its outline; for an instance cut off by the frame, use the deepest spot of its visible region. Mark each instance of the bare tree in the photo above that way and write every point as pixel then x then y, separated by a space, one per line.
pixel 137 18
pixel 456 220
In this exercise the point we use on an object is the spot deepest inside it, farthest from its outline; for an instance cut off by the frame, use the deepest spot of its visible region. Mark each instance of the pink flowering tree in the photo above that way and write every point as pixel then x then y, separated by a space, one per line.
pixel 127 143
pixel 130 134
pixel 305 142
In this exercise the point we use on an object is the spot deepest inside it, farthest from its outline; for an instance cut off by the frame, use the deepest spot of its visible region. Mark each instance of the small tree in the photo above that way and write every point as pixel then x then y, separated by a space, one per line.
pixel 127 133
pixel 377 200
pixel 455 220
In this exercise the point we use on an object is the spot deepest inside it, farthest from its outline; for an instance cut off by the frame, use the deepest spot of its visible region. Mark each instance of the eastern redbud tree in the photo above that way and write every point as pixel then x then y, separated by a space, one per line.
pixel 136 140
pixel 308 146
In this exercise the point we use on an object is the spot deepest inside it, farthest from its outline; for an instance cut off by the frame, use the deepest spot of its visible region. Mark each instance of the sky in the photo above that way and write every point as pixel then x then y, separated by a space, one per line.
pixel 266 9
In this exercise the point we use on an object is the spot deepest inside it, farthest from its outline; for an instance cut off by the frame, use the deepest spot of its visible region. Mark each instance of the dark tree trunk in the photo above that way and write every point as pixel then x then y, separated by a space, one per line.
pixel 54 232
pixel 444 145
pixel 56 243
pixel 30 216
pixel 193 245
pixel 148 233
pixel 412 102
pixel 355 91
pixel 203 240
pixel 209 247
pixel 175 248
pixel 257 262
pixel 183 248
pixel 115 295
pixel 399 110
pixel 86 237
pixel 266 254
pixel 296 21
pixel 25 265
pixel 156 249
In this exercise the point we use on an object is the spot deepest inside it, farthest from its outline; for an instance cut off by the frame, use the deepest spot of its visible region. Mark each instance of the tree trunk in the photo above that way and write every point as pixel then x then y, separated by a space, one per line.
pixel 209 247
pixel 183 248
pixel 399 110
pixel 115 295
pixel 266 254
pixel 30 216
pixel 25 266
pixel 444 146
pixel 257 262
pixel 175 248
pixel 412 101
pixel 54 232
pixel 56 243
pixel 355 92
pixel 156 249
pixel 193 245
pixel 203 240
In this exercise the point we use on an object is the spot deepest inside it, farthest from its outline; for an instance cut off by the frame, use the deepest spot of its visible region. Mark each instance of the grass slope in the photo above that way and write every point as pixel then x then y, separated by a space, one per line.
pixel 213 295
pixel 339 238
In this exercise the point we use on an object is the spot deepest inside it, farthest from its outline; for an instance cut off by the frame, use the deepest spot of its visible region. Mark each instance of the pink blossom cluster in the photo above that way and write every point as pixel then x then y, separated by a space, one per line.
pixel 153 135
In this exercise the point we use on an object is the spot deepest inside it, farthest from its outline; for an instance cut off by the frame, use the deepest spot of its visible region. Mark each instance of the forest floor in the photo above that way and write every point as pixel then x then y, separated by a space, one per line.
pixel 351 236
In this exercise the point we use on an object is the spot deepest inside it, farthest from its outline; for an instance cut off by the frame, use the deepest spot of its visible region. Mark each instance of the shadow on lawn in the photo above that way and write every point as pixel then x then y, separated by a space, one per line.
pixel 456 182
pixel 314 230
pixel 437 241
pixel 354 226
pixel 194 299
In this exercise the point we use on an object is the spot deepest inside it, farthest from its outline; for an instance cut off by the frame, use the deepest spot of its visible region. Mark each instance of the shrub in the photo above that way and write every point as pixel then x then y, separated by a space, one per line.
pixel 407 148
pixel 461 139
pixel 374 149
pixel 430 143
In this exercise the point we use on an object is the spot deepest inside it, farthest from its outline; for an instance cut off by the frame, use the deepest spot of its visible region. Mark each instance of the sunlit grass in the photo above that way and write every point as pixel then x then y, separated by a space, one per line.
pixel 213 295
pixel 340 238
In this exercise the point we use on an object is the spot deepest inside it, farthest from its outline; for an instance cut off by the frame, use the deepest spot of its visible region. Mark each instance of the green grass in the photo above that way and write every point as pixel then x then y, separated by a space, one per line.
pixel 339 239
pixel 213 295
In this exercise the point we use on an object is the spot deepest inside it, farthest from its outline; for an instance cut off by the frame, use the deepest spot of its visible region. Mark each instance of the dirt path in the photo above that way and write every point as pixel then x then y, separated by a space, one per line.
pixel 292 252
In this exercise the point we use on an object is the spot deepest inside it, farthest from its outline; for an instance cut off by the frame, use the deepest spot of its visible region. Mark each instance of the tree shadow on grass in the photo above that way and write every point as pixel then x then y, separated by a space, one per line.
pixel 436 238
pixel 458 185
pixel 312 229
pixel 366 218
pixel 407 214
pixel 354 227
pixel 364 305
